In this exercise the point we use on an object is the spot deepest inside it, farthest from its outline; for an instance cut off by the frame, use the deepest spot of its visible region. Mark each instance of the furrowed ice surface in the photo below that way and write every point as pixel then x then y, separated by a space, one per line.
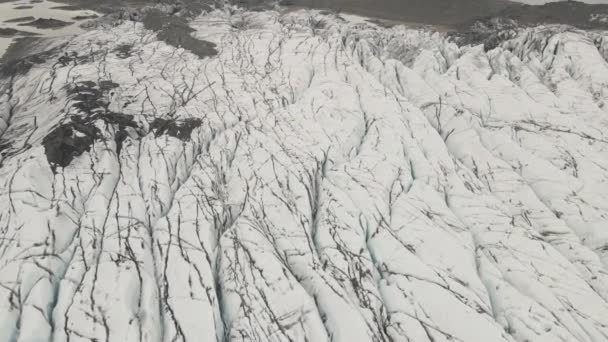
pixel 317 179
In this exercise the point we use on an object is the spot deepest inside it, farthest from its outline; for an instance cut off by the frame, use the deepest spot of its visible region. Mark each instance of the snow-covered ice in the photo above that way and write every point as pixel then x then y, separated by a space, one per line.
pixel 319 179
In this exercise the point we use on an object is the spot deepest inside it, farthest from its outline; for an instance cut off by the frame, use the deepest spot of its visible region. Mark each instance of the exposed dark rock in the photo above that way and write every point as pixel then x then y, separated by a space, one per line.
pixel 187 8
pixel 180 129
pixel 85 17
pixel 19 20
pixel 68 141
pixel 122 122
pixel 23 7
pixel 47 23
pixel 574 13
pixel 91 97
pixel 441 12
pixel 74 58
pixel 492 30
pixel 72 139
pixel 489 32
pixel 11 32
pixel 16 61
pixel 67 8
pixel 174 30
pixel 119 137
pixel 123 51
pixel 5 148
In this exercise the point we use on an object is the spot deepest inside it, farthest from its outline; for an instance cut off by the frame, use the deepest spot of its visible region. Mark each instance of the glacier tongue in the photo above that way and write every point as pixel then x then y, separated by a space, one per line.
pixel 320 178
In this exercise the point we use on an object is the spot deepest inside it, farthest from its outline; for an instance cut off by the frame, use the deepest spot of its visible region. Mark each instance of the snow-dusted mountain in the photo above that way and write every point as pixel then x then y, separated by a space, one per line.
pixel 304 176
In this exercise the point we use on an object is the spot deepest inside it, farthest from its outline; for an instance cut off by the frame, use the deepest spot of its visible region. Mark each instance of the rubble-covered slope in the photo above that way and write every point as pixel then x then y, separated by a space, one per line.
pixel 317 179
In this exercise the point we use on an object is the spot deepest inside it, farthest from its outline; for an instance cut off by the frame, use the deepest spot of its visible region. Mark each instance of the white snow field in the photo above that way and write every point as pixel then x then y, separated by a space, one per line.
pixel 318 179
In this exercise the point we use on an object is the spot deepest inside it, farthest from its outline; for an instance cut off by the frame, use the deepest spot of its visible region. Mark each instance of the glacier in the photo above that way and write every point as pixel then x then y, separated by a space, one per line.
pixel 314 177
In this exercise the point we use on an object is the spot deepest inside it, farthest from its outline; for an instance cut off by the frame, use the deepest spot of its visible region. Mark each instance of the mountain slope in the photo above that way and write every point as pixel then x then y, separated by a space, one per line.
pixel 422 11
pixel 314 178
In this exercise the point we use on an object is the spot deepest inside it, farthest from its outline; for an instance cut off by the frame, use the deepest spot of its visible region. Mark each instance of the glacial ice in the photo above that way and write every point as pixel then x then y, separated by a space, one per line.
pixel 320 178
